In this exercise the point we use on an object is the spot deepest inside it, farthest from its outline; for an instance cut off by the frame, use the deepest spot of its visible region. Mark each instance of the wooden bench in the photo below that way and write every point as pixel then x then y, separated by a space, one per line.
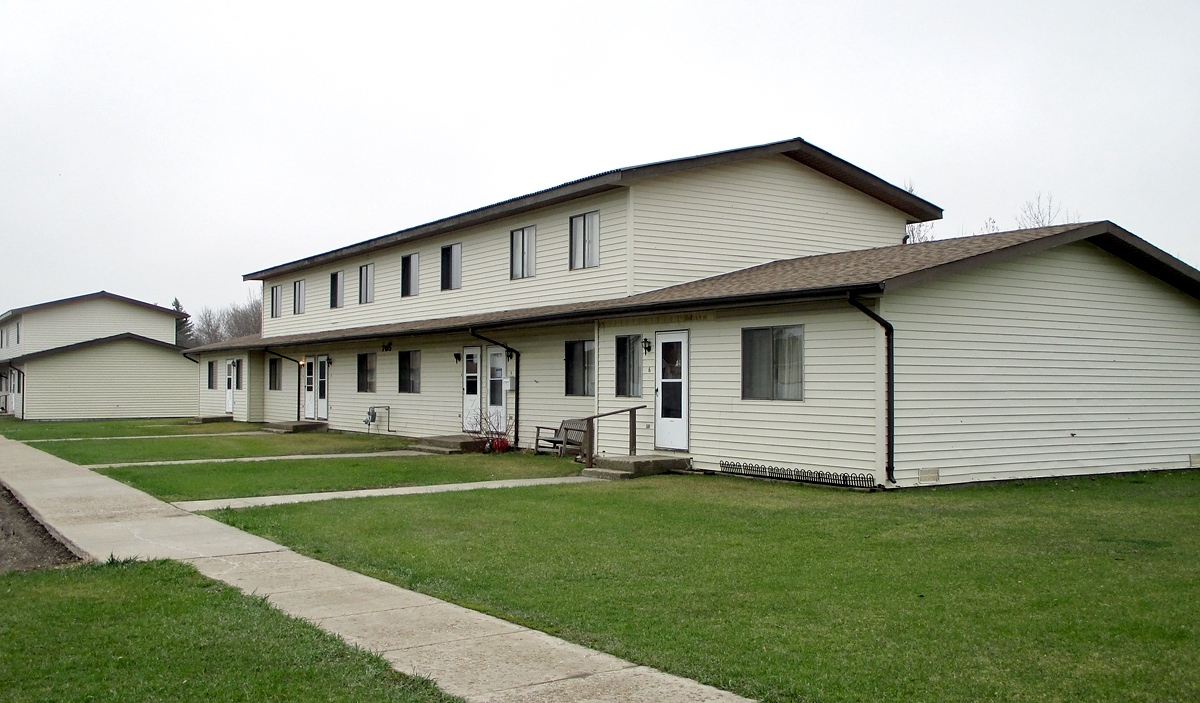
pixel 559 441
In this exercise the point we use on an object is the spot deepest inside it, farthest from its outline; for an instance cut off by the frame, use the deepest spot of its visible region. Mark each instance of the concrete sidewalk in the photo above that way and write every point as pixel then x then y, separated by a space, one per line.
pixel 195 506
pixel 274 457
pixel 468 654
pixel 144 436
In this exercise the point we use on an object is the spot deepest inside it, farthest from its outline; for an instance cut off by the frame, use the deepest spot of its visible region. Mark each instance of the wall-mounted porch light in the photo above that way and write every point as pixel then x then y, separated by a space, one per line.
pixel 457 357
pixel 646 345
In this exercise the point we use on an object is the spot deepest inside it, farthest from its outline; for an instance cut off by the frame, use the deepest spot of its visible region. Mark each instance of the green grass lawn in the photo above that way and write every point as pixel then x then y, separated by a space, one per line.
pixel 231 480
pixel 13 428
pixel 159 631
pixel 1057 590
pixel 110 451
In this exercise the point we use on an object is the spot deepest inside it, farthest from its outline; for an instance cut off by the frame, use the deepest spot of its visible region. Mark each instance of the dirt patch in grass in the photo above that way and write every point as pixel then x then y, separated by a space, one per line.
pixel 24 543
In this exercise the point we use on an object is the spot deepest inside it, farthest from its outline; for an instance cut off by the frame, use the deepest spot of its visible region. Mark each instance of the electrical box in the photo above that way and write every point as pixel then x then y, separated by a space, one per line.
pixel 510 383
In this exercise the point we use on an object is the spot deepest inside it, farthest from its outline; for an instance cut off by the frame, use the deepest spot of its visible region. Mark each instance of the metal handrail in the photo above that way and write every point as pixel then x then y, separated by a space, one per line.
pixel 589 435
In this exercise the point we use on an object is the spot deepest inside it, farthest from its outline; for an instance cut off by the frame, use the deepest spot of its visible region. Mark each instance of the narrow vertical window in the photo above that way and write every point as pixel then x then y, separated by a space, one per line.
pixel 18 332
pixel 408 275
pixel 580 363
pixel 773 363
pixel 336 281
pixel 629 365
pixel 298 297
pixel 366 284
pixel 274 377
pixel 237 374
pixel 452 267
pixel 212 375
pixel 276 301
pixel 522 252
pixel 410 372
pixel 366 373
pixel 585 240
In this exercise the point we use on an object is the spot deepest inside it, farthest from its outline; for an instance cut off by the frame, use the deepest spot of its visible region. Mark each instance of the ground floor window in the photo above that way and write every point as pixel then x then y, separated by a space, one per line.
pixel 773 363
pixel 366 373
pixel 274 375
pixel 212 375
pixel 629 365
pixel 581 367
pixel 410 372
pixel 237 374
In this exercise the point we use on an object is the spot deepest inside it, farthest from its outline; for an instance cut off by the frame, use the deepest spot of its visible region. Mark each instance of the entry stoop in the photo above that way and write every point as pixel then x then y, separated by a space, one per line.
pixel 448 444
pixel 621 466
pixel 295 426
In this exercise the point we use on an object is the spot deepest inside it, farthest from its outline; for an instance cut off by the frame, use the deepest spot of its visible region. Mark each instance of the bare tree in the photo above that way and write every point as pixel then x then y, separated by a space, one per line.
pixel 1044 211
pixel 918 231
pixel 234 320
pixel 206 326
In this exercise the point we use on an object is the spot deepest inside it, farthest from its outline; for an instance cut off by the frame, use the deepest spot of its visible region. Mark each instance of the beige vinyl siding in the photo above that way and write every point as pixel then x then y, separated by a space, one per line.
pixel 835 428
pixel 281 405
pixel 120 379
pixel 8 331
pixel 486 285
pixel 1065 362
pixel 212 402
pixel 437 409
pixel 82 320
pixel 706 221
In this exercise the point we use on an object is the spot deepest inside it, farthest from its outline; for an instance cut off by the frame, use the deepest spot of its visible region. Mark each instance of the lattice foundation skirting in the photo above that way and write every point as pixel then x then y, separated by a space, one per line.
pixel 824 478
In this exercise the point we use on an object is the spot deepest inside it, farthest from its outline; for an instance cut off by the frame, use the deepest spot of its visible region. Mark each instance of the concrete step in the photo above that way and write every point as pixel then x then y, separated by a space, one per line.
pixel 293 427
pixel 643 464
pixel 461 443
pixel 204 420
pixel 606 474
pixel 429 449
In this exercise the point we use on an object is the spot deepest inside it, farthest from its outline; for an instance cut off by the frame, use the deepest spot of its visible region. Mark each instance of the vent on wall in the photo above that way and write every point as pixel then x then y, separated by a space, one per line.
pixel 1195 461
pixel 925 476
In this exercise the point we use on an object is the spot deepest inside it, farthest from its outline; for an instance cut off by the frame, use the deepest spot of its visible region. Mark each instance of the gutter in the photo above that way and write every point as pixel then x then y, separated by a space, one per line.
pixel 299 380
pixel 516 391
pixel 890 391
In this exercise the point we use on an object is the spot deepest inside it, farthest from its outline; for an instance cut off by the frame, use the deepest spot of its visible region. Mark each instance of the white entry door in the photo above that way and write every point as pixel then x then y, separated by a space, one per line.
pixel 310 389
pixel 471 408
pixel 230 371
pixel 671 390
pixel 322 388
pixel 496 397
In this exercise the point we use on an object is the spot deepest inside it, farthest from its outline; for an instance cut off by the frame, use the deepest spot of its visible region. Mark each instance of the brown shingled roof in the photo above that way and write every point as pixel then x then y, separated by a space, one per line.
pixel 862 273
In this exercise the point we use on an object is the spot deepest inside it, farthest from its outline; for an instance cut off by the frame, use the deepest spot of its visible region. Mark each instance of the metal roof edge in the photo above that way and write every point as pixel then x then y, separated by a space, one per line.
pixel 133 336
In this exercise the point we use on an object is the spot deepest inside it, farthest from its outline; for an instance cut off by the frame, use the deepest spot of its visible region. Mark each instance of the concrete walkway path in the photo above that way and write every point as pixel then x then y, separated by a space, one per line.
pixel 277 457
pixel 145 436
pixel 195 506
pixel 469 654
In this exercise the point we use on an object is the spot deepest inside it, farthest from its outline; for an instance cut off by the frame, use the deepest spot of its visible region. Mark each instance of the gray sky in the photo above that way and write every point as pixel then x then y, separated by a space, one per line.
pixel 160 150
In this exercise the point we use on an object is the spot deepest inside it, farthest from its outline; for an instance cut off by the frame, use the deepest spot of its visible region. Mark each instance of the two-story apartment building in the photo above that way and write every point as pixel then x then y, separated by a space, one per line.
pixel 763 306
pixel 94 356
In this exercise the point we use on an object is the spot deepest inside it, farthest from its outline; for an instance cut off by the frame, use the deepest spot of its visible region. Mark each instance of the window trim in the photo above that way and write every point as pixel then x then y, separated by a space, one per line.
pixel 366 283
pixel 410 275
pixel 634 344
pixel 774 366
pixel 276 301
pixel 298 297
pixel 337 289
pixel 237 374
pixel 212 375
pixel 452 274
pixel 522 260
pixel 589 257
pixel 274 374
pixel 589 372
pixel 412 387
pixel 367 373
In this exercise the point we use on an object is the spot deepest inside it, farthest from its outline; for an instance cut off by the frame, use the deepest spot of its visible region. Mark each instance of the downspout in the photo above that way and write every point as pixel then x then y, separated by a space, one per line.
pixel 24 389
pixel 516 391
pixel 890 390
pixel 299 379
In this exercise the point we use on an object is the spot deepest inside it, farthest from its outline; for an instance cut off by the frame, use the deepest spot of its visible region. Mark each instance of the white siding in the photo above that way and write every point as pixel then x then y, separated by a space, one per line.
pixel 706 221
pixel 486 286
pixel 281 405
pixel 119 379
pixel 835 428
pixel 1065 362
pixel 82 320
pixel 9 347
pixel 246 408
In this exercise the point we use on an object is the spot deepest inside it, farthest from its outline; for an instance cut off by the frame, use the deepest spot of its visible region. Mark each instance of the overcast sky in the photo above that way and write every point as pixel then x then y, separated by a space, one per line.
pixel 161 149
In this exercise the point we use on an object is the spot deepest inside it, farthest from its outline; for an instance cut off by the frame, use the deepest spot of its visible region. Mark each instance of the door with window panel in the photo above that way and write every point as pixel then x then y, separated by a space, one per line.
pixel 671 390
pixel 496 397
pixel 471 405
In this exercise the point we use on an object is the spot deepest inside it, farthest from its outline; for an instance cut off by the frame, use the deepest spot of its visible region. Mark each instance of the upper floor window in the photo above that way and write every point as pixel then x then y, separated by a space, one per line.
pixel 452 267
pixel 585 240
pixel 18 332
pixel 580 365
pixel 298 297
pixel 408 275
pixel 410 372
pixel 773 363
pixel 366 373
pixel 523 249
pixel 276 300
pixel 366 283
pixel 274 375
pixel 629 365
pixel 337 281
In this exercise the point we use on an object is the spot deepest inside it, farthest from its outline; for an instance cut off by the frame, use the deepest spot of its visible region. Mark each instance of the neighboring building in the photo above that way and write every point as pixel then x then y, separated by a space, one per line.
pixel 743 296
pixel 94 356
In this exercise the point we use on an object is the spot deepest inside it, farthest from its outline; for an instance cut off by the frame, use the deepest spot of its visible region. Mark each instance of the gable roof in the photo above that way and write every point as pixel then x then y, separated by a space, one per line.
pixel 98 295
pixel 917 209
pixel 864 272
pixel 92 343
